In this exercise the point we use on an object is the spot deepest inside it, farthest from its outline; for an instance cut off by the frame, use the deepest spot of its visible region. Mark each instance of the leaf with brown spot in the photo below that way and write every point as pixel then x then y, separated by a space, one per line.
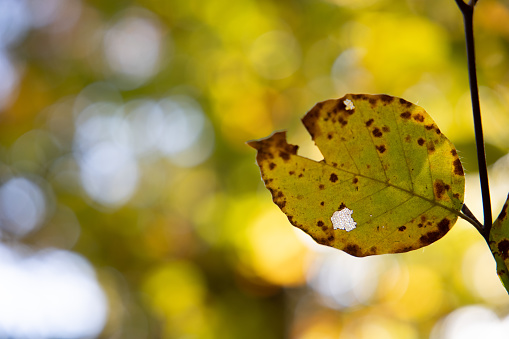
pixel 499 244
pixel 403 196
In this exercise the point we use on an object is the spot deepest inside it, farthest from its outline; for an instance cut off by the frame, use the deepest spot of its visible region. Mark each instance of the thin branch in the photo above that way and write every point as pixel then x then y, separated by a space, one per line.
pixel 468 14
pixel 471 218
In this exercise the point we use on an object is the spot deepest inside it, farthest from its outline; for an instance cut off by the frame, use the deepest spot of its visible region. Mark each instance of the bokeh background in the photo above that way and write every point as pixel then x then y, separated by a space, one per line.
pixel 131 207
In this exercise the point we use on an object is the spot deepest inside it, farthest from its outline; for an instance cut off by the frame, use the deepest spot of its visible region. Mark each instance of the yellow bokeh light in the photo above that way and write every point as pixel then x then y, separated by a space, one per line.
pixel 278 255
pixel 398 57
pixel 423 296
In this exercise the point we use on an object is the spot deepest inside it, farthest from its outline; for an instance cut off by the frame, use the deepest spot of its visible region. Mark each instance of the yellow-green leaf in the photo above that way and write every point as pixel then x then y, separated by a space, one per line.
pixel 386 166
pixel 499 244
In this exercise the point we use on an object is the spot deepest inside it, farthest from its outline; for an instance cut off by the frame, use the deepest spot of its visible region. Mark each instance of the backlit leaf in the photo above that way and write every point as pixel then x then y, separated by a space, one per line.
pixel 395 180
pixel 499 244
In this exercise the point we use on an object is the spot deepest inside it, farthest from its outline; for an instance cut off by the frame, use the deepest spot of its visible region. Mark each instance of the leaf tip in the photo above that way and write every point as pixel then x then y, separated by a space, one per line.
pixel 276 138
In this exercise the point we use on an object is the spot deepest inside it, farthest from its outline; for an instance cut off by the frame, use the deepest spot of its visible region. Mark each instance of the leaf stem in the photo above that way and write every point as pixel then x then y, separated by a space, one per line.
pixel 470 217
pixel 468 14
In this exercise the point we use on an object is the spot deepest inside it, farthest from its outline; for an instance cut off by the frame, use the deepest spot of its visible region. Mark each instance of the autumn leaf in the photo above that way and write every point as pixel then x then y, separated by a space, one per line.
pixel 499 244
pixel 389 182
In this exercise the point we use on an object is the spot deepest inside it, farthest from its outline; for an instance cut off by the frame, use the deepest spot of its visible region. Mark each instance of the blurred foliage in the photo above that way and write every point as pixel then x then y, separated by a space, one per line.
pixel 131 118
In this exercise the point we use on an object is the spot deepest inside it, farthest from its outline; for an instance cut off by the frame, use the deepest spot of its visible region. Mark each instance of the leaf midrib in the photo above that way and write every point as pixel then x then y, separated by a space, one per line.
pixel 434 201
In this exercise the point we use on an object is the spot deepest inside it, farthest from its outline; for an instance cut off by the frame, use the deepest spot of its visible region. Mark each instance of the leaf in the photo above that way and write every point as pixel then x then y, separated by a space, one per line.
pixel 385 160
pixel 499 244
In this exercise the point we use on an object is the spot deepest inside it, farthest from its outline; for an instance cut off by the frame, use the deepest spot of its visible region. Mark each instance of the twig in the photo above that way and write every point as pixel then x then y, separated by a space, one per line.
pixel 471 218
pixel 468 14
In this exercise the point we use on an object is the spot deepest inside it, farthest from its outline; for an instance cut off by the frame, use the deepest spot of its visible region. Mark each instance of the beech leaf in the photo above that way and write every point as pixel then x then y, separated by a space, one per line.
pixel 389 182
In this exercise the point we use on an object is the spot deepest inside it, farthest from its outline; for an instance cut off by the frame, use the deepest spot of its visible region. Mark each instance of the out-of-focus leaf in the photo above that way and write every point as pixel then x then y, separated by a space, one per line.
pixel 499 244
pixel 390 180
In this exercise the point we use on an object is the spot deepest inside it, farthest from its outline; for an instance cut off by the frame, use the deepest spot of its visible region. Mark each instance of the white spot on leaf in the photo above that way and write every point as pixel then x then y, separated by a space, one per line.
pixel 343 220
pixel 349 104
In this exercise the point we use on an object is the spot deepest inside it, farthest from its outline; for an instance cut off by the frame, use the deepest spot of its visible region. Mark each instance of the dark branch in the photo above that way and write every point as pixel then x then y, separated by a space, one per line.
pixel 463 6
pixel 468 13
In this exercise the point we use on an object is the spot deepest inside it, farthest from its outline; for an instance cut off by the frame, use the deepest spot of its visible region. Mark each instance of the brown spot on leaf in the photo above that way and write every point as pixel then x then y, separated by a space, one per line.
pixel 377 133
pixel 372 101
pixel 402 228
pixel 301 175
pixel 329 136
pixel 381 148
pixel 406 249
pixel 309 120
pixel 408 138
pixel 330 238
pixel 355 180
pixel 272 166
pixel 319 223
pixel 420 225
pixel 386 129
pixel 334 164
pixel 444 225
pixel 419 117
pixel 373 250
pixel 431 237
pixel 406 115
pixel 291 172
pixel 453 152
pixel 285 156
pixel 280 194
pixel 341 206
pixel 429 127
pixel 340 106
pixel 421 141
pixel 333 177
pixel 322 203
pixel 458 169
pixel 503 248
pixel 342 121
pixel 321 186
pixel 387 99
pixel 369 122
pixel 439 189
pixel 405 103
pixel 456 195
pixel 353 249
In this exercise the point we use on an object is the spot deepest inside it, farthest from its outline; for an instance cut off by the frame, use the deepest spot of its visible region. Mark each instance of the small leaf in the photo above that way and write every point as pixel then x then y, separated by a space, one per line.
pixel 499 244
pixel 385 160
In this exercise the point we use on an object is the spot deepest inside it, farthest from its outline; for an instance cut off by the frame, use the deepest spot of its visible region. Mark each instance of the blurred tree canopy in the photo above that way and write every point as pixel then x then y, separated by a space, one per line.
pixel 122 142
